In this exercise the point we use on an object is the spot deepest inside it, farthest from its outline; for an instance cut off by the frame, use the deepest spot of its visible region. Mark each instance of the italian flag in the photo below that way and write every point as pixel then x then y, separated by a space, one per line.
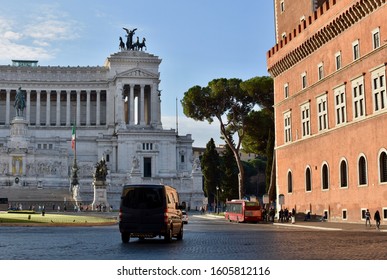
pixel 73 138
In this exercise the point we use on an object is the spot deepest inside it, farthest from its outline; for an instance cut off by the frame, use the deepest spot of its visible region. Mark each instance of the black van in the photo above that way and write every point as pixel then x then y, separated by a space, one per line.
pixel 147 211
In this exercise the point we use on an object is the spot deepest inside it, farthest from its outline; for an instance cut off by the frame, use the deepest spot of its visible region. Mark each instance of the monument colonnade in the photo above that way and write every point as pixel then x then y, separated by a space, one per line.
pixel 66 107
pixel 59 107
pixel 141 103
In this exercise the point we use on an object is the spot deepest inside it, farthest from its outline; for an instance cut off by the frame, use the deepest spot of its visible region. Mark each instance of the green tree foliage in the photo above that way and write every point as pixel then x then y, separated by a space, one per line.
pixel 230 101
pixel 210 164
pixel 229 175
pixel 259 125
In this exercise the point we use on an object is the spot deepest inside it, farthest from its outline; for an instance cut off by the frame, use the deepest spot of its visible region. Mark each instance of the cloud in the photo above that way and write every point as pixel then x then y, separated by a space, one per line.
pixel 37 36
pixel 52 30
pixel 10 35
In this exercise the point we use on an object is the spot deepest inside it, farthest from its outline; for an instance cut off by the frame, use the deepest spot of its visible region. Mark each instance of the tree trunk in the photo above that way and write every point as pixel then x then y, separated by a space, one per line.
pixel 229 141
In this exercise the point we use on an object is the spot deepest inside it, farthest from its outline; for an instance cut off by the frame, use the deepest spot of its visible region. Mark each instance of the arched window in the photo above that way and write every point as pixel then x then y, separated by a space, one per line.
pixel 325 177
pixel 343 174
pixel 383 167
pixel 290 182
pixel 308 180
pixel 362 171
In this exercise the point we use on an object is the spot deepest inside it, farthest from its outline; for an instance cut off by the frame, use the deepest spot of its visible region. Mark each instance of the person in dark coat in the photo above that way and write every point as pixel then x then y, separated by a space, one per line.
pixel 377 219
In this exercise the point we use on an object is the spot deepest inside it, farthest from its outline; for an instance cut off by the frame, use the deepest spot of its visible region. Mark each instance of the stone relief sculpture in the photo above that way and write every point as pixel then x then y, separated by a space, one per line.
pixel 135 163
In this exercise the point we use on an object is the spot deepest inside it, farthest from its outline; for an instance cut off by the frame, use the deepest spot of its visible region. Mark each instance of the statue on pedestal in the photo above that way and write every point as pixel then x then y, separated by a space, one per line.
pixel 100 171
pixel 100 194
pixel 20 102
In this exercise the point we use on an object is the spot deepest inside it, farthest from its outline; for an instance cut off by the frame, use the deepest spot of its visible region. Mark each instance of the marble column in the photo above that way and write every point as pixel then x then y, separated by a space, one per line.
pixel 7 106
pixel 68 108
pixel 88 107
pixel 38 108
pixel 28 106
pixel 78 120
pixel 48 107
pixel 98 109
pixel 142 106
pixel 131 104
pixel 58 108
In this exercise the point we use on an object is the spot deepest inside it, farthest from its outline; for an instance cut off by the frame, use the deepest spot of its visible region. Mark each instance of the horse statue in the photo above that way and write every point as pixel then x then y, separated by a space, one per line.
pixel 129 41
pixel 139 46
pixel 101 170
pixel 122 44
pixel 20 102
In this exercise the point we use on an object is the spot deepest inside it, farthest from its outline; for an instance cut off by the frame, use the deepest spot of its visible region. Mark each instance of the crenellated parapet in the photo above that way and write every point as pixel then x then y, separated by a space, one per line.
pixel 331 30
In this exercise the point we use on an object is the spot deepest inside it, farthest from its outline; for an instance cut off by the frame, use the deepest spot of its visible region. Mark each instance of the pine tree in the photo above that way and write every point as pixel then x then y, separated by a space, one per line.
pixel 229 178
pixel 210 163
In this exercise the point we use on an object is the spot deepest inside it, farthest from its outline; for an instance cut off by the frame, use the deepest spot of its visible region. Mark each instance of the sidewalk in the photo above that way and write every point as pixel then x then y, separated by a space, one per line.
pixel 333 226
pixel 315 224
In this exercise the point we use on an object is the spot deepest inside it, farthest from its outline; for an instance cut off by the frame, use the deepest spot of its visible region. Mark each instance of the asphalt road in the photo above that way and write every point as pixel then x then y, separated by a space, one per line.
pixel 205 238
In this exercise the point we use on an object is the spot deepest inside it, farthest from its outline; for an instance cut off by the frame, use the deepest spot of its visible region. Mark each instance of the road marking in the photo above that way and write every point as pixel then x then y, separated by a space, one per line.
pixel 312 227
pixel 209 217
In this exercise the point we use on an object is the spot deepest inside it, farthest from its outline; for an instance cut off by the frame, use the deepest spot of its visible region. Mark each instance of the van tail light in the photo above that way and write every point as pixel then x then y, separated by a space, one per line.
pixel 166 216
pixel 120 215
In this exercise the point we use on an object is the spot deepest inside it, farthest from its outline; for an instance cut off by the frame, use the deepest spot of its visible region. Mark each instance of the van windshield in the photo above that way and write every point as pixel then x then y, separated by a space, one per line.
pixel 143 198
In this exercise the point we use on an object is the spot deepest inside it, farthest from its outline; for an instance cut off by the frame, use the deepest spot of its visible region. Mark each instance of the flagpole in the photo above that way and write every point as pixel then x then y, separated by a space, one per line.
pixel 75 144
pixel 74 175
pixel 177 120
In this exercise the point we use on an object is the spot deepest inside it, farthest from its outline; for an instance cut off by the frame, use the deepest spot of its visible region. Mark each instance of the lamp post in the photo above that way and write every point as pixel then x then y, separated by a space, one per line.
pixel 217 200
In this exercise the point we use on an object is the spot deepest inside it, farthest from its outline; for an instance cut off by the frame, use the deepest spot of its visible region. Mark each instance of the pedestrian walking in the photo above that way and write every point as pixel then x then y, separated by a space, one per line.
pixel 293 216
pixel 368 217
pixel 377 219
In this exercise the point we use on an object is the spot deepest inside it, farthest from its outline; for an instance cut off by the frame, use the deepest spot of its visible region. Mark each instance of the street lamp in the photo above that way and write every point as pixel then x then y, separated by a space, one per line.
pixel 217 199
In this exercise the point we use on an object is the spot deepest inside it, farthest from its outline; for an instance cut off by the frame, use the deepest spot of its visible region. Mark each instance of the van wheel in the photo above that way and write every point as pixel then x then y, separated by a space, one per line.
pixel 168 235
pixel 125 237
pixel 180 235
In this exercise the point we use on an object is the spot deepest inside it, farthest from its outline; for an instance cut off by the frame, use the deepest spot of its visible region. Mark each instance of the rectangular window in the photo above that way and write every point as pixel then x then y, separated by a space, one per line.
pixel 338 60
pixel 322 112
pixel 363 211
pixel 305 119
pixel 304 80
pixel 358 98
pixel 384 214
pixel 344 214
pixel 340 107
pixel 376 38
pixel 286 90
pixel 320 70
pixel 282 6
pixel 288 127
pixel 378 78
pixel 356 50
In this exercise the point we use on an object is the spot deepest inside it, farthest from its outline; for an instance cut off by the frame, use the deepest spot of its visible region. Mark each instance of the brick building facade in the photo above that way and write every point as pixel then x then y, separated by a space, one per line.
pixel 329 71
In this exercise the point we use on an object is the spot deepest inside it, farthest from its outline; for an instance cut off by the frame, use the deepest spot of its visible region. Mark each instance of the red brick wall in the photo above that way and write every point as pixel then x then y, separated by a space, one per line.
pixel 366 136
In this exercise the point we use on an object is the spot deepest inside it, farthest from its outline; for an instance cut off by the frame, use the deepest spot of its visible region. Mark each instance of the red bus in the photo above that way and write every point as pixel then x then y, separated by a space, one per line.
pixel 243 211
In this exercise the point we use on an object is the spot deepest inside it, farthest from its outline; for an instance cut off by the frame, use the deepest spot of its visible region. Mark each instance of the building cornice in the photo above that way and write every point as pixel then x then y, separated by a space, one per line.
pixel 356 12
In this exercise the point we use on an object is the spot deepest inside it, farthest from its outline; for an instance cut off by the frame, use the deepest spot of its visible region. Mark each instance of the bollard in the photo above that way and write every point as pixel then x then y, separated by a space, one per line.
pixel 43 212
pixel 29 217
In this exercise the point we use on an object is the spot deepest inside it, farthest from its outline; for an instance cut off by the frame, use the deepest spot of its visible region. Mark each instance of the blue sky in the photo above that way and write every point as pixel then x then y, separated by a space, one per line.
pixel 197 40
